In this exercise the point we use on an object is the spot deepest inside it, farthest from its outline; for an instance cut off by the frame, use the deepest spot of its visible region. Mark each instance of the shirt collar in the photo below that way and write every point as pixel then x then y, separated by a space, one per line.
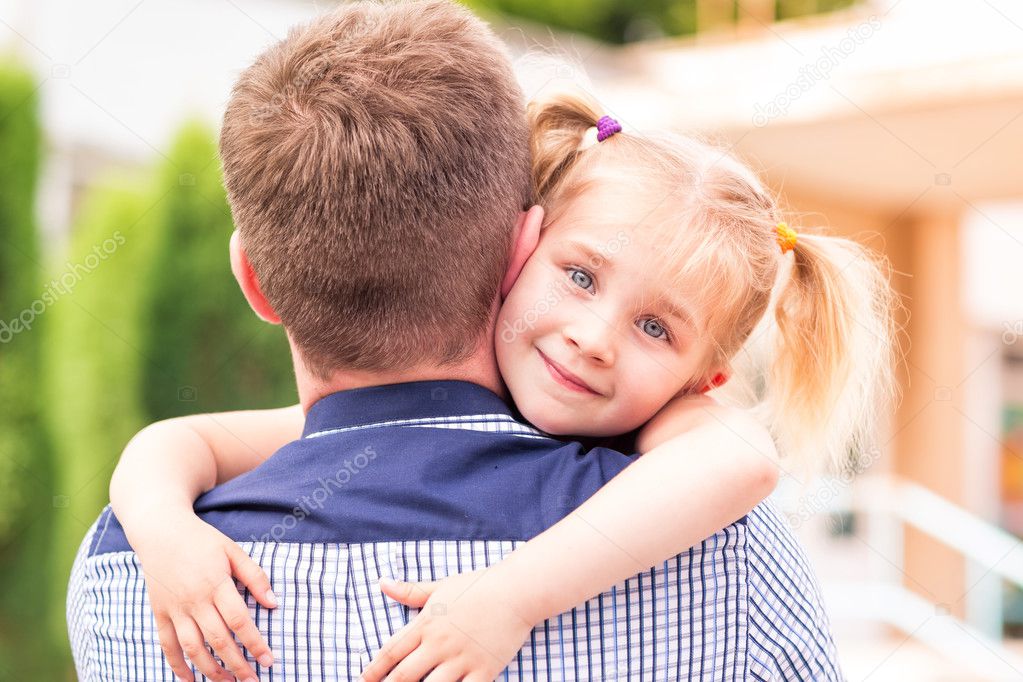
pixel 412 400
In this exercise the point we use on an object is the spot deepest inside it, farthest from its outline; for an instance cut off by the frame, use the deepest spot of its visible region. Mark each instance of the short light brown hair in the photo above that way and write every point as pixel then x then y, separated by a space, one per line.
pixel 375 161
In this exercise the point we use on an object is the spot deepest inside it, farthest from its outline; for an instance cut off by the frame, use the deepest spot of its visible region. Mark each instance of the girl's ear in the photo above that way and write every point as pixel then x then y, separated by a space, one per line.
pixel 526 237
pixel 246 276
pixel 718 378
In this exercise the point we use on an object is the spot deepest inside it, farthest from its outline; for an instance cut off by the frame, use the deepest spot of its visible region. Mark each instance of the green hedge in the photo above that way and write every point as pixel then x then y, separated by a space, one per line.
pixel 21 284
pixel 26 467
pixel 93 359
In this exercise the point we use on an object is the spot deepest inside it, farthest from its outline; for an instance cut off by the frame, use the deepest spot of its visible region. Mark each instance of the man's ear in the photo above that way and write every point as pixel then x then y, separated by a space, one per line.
pixel 246 277
pixel 527 236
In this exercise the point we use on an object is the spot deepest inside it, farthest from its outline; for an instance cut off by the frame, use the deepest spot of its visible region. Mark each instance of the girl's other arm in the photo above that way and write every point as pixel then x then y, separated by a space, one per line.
pixel 703 467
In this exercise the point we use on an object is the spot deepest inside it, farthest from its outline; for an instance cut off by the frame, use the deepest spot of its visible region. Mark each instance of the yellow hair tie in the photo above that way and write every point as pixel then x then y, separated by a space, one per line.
pixel 786 237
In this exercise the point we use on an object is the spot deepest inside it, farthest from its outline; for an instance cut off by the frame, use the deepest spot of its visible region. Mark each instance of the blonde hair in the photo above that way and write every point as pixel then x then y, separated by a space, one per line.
pixel 819 371
pixel 376 161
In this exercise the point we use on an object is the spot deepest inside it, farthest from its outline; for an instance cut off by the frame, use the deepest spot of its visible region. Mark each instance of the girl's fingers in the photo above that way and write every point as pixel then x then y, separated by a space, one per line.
pixel 194 647
pixel 172 649
pixel 415 666
pixel 480 677
pixel 409 594
pixel 400 645
pixel 216 633
pixel 250 574
pixel 235 614
pixel 446 672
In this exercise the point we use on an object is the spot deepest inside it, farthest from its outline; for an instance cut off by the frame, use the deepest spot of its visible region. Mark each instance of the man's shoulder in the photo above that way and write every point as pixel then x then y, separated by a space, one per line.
pixel 769 529
pixel 307 493
pixel 105 536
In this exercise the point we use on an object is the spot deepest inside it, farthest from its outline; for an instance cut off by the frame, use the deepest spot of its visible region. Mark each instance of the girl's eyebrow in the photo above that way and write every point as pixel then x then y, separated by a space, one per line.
pixel 596 259
pixel 680 313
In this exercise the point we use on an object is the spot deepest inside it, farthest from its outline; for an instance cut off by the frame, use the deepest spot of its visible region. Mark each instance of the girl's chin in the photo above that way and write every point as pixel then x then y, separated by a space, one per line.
pixel 555 429
pixel 540 416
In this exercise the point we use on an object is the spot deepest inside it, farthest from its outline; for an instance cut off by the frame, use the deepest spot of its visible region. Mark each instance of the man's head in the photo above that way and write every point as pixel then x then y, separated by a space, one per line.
pixel 376 161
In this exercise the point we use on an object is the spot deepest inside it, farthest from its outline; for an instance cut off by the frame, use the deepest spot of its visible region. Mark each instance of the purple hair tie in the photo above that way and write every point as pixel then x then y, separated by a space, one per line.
pixel 606 127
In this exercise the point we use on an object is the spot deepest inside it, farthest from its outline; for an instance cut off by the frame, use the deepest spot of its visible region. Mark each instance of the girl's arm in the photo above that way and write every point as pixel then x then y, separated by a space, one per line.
pixel 170 463
pixel 704 467
pixel 188 564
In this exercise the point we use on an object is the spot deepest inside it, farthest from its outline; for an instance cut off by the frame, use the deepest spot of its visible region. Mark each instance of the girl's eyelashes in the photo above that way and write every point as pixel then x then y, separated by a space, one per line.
pixel 581 278
pixel 653 328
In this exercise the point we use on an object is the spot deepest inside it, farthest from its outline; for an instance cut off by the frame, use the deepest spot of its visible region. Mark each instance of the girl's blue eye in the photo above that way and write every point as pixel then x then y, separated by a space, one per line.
pixel 654 328
pixel 581 279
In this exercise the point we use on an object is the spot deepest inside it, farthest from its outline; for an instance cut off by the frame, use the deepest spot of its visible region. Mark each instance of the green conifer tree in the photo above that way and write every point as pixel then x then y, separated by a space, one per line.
pixel 26 466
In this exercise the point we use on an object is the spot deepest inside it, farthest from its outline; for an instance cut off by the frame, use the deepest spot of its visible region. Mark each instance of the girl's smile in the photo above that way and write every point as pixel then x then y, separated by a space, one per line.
pixel 565 378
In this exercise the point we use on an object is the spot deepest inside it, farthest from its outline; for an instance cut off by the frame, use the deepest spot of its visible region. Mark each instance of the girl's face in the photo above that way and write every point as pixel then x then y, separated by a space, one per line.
pixel 589 341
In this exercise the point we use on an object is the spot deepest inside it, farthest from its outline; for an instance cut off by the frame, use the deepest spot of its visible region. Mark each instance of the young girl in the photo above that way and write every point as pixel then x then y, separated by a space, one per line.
pixel 658 262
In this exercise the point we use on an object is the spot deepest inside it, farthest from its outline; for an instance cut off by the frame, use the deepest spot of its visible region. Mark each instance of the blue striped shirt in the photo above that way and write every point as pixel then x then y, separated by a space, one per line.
pixel 421 480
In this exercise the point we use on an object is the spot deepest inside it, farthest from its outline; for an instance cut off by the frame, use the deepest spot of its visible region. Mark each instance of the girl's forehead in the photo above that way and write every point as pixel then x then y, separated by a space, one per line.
pixel 629 201
pixel 622 228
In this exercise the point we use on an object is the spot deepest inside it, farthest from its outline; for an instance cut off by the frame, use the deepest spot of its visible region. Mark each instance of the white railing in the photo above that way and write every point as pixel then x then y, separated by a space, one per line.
pixel 885 500
pixel 951 525
pixel 926 623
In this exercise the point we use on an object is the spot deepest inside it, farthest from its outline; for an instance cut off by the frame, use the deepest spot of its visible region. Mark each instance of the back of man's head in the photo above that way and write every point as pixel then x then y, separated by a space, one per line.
pixel 376 160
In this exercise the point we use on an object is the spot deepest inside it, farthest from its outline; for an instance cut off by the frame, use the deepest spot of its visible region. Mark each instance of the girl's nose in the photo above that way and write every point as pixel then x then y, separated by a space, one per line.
pixel 592 339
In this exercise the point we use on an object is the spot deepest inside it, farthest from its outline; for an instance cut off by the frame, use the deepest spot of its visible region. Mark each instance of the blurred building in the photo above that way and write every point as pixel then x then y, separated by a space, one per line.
pixel 896 121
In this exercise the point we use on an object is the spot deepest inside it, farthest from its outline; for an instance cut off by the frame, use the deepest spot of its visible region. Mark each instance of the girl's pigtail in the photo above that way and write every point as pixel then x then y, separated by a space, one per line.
pixel 557 127
pixel 832 373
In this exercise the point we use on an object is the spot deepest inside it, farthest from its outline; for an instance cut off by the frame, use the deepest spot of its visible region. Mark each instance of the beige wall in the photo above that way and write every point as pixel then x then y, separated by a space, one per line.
pixel 926 442
pixel 929 439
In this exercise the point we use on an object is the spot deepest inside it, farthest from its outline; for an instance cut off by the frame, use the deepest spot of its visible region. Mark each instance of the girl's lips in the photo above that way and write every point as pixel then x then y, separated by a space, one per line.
pixel 564 377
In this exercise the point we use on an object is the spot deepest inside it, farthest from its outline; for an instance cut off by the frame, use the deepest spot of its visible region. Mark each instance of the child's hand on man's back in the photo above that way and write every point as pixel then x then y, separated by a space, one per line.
pixel 188 566
pixel 470 627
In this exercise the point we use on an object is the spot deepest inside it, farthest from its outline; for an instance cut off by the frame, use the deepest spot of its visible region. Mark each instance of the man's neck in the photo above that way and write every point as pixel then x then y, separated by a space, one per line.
pixel 479 369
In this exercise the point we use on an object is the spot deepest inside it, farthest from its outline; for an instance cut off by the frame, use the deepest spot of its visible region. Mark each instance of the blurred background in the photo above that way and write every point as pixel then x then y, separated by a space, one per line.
pixel 897 122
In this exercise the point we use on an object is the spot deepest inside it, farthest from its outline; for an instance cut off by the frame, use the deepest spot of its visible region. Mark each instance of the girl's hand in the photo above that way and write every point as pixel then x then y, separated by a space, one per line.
pixel 188 566
pixel 469 629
